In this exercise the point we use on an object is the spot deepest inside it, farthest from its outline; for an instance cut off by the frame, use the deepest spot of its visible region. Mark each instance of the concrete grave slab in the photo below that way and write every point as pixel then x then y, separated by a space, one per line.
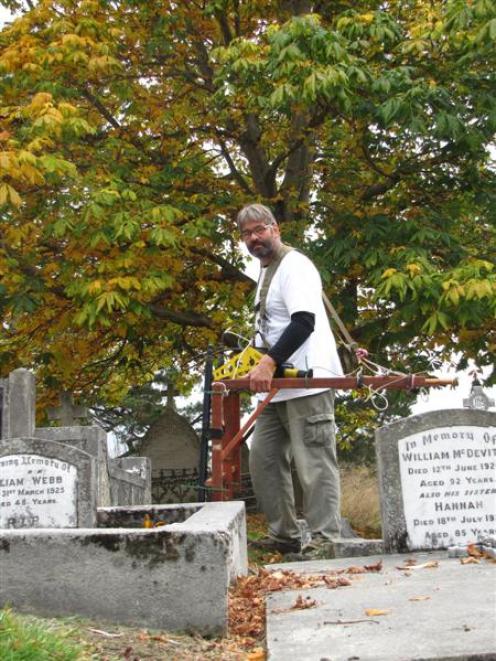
pixel 173 577
pixel 446 613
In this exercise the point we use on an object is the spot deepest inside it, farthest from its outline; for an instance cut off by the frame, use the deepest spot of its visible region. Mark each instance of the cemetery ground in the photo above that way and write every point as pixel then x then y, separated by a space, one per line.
pixel 80 639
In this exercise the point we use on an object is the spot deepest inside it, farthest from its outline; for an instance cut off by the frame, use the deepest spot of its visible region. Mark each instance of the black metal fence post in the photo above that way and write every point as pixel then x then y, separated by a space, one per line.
pixel 203 463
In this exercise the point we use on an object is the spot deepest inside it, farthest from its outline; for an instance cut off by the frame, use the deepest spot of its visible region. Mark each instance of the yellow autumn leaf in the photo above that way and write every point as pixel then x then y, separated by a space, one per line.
pixel 419 598
pixel 373 612
pixel 94 286
pixel 3 193
pixel 413 269
pixel 5 157
pixel 40 100
pixel 367 18
pixel 14 196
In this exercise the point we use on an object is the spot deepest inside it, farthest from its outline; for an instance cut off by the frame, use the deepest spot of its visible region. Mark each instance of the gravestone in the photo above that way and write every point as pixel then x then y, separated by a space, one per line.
pixel 45 484
pixel 173 448
pixel 118 483
pixel 91 439
pixel 17 410
pixel 437 479
pixel 68 414
pixel 171 443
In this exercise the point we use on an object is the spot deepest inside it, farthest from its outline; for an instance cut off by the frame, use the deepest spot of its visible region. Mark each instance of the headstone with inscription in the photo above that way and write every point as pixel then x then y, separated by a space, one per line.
pixel 437 479
pixel 45 484
pixel 115 485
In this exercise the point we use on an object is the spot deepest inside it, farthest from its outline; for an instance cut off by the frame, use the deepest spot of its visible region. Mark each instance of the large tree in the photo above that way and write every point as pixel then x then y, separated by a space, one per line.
pixel 131 131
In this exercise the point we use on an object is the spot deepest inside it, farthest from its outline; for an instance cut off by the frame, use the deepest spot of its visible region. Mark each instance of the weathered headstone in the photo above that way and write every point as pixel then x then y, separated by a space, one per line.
pixel 437 479
pixel 173 448
pixel 45 484
pixel 91 439
pixel 17 411
pixel 68 414
pixel 171 442
pixel 117 484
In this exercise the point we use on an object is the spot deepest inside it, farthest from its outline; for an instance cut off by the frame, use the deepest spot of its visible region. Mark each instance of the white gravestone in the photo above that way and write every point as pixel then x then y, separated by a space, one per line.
pixel 437 479
pixel 37 492
pixel 448 485
pixel 45 484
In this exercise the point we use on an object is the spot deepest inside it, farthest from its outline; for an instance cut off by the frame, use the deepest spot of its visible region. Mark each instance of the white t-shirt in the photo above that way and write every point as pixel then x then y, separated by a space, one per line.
pixel 296 287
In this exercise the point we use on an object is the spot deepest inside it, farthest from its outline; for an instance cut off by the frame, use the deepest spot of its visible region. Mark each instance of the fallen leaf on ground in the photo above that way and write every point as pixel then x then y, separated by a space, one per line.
pixel 432 564
pixel 376 567
pixel 356 570
pixel 333 582
pixel 474 551
pixel 258 654
pixel 373 612
pixel 471 560
pixel 164 639
pixel 420 598
pixel 303 602
pixel 106 634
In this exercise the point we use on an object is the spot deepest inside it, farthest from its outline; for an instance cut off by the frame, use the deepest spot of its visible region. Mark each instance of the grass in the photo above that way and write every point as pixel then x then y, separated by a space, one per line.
pixel 25 640
pixel 360 502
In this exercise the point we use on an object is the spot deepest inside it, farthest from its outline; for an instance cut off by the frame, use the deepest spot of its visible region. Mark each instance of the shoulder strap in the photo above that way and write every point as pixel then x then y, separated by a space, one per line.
pixel 269 274
pixel 261 307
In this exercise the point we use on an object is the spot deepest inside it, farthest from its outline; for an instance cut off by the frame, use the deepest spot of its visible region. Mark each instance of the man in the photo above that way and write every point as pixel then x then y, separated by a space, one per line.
pixel 292 325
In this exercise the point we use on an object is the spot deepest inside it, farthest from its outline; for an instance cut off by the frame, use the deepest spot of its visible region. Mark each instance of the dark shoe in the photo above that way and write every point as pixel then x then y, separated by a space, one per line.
pixel 269 544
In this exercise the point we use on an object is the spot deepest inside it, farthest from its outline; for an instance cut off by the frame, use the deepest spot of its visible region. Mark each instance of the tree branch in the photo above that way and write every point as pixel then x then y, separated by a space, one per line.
pixel 224 26
pixel 100 107
pixel 228 270
pixel 232 168
pixel 181 318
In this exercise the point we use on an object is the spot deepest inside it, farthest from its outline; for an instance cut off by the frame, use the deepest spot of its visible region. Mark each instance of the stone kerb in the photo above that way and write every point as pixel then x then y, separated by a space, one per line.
pixel 437 480
pixel 93 440
pixel 173 577
pixel 45 484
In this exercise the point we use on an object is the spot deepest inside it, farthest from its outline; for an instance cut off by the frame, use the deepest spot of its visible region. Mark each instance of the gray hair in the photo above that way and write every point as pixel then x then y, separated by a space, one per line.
pixel 255 212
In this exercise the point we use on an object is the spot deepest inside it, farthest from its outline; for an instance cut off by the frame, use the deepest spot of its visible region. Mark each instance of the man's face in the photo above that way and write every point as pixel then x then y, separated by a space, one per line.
pixel 260 239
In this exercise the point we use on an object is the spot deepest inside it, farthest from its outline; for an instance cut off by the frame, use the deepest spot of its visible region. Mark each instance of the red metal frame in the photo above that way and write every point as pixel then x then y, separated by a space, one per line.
pixel 227 434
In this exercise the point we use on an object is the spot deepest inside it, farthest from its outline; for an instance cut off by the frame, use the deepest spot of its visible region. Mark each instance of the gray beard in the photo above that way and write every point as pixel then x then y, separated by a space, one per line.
pixel 261 251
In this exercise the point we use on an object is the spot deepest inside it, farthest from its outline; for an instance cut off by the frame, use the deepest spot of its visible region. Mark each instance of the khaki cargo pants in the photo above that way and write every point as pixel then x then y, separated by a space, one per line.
pixel 303 429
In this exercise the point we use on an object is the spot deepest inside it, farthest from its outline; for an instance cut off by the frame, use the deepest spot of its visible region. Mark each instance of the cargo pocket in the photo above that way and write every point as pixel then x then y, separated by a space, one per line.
pixel 319 429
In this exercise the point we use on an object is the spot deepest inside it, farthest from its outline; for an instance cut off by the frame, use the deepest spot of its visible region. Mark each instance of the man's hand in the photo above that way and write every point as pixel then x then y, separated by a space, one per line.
pixel 261 375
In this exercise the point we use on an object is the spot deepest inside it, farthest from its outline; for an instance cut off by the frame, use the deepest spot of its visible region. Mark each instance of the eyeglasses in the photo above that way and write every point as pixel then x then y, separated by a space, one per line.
pixel 258 231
